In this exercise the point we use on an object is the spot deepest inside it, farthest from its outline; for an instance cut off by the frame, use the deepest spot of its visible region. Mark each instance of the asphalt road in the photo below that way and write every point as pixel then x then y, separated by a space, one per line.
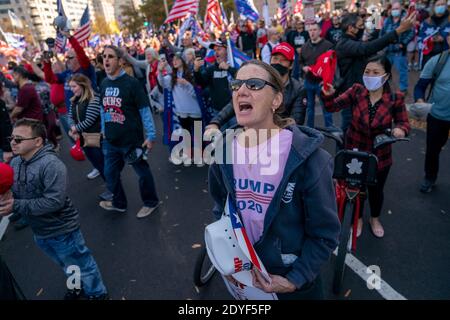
pixel 153 258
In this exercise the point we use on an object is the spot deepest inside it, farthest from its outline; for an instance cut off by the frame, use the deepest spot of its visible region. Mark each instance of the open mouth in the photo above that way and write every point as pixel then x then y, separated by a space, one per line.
pixel 245 107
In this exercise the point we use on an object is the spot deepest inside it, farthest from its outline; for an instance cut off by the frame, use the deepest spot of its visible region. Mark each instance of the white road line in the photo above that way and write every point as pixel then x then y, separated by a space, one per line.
pixel 386 291
pixel 3 225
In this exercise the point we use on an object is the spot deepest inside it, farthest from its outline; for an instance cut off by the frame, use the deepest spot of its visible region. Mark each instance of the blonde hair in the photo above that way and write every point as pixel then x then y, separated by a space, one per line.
pixel 85 83
pixel 277 81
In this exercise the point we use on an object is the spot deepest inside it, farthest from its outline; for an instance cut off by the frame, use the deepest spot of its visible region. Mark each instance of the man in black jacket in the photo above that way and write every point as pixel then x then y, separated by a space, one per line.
pixel 352 53
pixel 294 95
pixel 216 77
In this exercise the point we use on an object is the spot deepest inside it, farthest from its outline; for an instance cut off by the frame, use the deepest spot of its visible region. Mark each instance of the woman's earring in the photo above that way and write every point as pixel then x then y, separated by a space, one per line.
pixel 273 110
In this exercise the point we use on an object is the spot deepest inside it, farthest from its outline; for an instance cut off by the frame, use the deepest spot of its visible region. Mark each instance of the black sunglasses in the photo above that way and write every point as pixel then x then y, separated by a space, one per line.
pixel 70 58
pixel 108 56
pixel 252 84
pixel 19 140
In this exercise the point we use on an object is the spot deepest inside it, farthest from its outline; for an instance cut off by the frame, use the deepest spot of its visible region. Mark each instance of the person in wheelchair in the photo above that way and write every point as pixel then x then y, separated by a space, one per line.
pixel 376 108
pixel 287 204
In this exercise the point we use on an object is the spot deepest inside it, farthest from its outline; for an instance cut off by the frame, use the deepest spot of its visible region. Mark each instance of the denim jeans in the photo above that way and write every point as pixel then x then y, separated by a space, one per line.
pixel 114 163
pixel 96 157
pixel 64 121
pixel 313 89
pixel 400 62
pixel 70 250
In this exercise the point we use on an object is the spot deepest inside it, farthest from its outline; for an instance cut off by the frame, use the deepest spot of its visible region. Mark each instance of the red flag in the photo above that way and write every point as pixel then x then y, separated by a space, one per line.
pixel 325 67
pixel 427 45
pixel 298 7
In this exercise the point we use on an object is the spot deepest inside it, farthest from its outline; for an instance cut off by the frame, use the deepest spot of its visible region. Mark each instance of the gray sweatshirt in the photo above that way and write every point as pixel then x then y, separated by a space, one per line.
pixel 39 190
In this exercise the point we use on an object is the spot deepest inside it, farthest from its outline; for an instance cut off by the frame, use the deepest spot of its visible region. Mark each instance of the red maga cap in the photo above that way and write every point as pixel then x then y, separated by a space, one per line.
pixel 285 49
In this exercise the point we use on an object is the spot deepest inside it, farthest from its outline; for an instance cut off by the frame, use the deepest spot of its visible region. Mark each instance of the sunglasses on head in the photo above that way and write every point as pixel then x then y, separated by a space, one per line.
pixel 19 140
pixel 251 84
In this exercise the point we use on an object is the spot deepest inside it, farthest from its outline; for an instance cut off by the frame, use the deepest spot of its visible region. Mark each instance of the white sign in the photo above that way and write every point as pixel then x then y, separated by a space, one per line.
pixel 309 15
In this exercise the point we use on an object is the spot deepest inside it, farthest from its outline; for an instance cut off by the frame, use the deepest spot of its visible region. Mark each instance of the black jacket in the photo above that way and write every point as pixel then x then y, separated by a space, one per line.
pixel 5 127
pixel 216 80
pixel 294 104
pixel 352 55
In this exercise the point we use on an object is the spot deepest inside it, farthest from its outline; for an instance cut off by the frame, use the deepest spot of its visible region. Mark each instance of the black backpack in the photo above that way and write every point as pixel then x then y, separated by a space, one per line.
pixel 442 60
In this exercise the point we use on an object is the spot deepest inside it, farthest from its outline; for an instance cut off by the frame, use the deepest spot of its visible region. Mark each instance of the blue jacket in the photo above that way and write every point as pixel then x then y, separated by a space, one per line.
pixel 405 38
pixel 302 218
pixel 429 26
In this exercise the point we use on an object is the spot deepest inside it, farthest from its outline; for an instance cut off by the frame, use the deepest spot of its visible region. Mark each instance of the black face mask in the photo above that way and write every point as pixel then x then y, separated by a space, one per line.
pixel 360 34
pixel 282 70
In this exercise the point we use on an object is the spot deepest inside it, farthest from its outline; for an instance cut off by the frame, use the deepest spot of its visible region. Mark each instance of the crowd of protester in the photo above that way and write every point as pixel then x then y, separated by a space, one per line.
pixel 104 98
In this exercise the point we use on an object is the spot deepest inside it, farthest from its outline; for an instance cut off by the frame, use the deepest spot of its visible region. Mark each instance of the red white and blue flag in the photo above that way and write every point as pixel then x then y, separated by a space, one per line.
pixel 83 33
pixel 60 41
pixel 214 14
pixel 181 8
pixel 284 13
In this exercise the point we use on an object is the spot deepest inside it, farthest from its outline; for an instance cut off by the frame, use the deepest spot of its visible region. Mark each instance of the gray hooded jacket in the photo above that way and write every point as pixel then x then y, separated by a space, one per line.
pixel 39 190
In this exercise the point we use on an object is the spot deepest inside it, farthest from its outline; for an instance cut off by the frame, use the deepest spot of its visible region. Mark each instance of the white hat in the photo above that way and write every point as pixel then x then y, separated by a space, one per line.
pixel 225 253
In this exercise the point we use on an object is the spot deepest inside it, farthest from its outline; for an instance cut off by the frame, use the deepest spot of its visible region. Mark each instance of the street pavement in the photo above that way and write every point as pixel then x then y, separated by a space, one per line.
pixel 153 258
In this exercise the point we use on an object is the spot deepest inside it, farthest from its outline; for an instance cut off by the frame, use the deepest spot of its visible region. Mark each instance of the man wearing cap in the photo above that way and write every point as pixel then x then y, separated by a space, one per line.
pixel 216 77
pixel 294 94
pixel 312 49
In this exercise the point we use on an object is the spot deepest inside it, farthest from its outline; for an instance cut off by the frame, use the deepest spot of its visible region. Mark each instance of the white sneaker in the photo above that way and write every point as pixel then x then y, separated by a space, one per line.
pixel 93 174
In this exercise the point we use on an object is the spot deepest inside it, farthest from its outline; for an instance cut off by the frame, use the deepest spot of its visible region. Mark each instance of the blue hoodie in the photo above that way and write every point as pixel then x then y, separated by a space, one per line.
pixel 301 221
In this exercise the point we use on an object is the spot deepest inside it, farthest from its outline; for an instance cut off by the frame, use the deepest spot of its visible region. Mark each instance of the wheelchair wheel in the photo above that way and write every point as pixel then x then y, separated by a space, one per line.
pixel 204 269
pixel 339 266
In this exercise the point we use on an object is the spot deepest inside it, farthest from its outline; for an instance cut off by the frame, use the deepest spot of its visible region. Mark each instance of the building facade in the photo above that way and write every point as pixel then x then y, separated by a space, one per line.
pixel 38 15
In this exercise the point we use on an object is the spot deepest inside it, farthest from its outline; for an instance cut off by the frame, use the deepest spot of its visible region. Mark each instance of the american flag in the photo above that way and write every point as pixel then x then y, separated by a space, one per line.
pixel 181 8
pixel 60 41
pixel 84 30
pixel 284 13
pixel 214 14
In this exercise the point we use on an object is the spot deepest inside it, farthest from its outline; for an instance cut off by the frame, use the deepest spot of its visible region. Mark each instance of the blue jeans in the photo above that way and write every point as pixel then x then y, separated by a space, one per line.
pixel 64 121
pixel 400 63
pixel 313 89
pixel 96 157
pixel 114 163
pixel 70 250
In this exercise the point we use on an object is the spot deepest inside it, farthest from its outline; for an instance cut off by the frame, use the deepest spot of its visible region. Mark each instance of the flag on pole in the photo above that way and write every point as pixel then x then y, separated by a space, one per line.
pixel 266 14
pixel 83 32
pixel 247 9
pixel 214 14
pixel 224 15
pixel 15 21
pixel 284 13
pixel 60 41
pixel 235 57
pixel 181 8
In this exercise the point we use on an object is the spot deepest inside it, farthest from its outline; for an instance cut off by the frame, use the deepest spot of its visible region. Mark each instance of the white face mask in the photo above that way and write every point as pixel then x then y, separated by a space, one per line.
pixel 369 25
pixel 373 83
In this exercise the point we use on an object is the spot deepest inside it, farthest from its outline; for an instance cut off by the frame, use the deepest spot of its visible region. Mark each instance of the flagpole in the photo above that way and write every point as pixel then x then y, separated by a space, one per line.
pixel 166 7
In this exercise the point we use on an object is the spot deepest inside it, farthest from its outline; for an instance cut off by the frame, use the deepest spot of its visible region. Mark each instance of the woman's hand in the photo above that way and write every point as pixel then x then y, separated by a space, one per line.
pixel 398 133
pixel 329 91
pixel 162 65
pixel 6 203
pixel 278 285
pixel 182 81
